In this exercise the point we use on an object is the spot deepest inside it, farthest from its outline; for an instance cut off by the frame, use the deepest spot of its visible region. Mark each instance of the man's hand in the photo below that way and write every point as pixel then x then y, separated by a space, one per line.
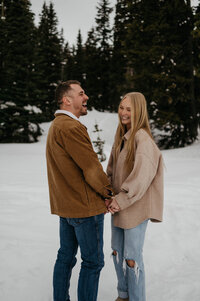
pixel 107 203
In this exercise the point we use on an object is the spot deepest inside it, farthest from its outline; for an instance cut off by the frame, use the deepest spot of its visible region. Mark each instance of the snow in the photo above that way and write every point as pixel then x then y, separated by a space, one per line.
pixel 29 233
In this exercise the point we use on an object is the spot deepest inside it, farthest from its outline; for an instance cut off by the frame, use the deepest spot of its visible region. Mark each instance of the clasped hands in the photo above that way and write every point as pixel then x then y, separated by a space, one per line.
pixel 112 205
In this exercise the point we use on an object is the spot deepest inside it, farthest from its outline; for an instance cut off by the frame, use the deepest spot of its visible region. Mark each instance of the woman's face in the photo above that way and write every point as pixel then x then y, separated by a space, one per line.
pixel 125 112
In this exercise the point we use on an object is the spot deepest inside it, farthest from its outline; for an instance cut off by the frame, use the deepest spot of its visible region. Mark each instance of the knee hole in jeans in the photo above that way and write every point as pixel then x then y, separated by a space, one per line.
pixel 130 263
pixel 114 253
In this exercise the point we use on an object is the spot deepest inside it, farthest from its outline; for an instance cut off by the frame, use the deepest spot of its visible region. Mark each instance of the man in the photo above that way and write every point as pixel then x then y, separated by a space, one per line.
pixel 78 187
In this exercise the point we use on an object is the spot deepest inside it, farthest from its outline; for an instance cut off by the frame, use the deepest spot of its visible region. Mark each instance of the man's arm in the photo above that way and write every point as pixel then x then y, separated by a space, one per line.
pixel 78 145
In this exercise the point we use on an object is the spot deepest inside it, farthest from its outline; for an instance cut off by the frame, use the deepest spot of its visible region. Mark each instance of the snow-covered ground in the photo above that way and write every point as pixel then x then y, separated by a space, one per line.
pixel 29 233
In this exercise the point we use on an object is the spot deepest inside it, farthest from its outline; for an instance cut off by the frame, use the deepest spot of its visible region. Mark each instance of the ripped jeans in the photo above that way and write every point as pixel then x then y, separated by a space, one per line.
pixel 127 244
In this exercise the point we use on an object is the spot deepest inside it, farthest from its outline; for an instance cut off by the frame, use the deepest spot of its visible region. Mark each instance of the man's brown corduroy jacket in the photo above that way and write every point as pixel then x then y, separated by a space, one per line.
pixel 77 182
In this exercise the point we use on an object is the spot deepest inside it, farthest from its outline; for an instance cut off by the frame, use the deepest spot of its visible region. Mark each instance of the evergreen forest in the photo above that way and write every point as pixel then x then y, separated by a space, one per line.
pixel 152 47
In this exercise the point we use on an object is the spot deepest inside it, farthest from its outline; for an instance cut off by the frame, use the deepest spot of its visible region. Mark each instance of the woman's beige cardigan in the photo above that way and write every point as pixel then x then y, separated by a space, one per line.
pixel 140 193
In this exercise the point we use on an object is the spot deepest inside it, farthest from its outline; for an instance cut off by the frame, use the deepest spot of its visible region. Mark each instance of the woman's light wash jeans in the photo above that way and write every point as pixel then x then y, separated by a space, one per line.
pixel 128 243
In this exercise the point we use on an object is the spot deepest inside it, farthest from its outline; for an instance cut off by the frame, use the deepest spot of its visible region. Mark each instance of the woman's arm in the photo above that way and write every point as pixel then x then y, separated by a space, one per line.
pixel 109 169
pixel 147 159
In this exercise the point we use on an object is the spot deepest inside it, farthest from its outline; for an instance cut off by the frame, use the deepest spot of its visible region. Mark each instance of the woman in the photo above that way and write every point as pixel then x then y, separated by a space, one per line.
pixel 135 169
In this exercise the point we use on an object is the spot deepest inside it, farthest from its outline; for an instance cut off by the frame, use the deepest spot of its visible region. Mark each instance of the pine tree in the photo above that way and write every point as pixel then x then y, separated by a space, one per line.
pixel 48 67
pixel 196 40
pixel 103 36
pixel 176 113
pixel 79 60
pixel 141 55
pixel 98 144
pixel 2 51
pixel 159 64
pixel 91 64
pixel 18 117
pixel 118 83
pixel 68 65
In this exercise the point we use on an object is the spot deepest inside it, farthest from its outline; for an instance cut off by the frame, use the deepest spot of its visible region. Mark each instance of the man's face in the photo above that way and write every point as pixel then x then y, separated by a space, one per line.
pixel 78 100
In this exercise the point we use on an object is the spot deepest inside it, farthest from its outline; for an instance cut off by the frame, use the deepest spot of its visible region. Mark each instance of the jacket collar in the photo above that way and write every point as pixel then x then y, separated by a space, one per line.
pixel 66 113
pixel 127 135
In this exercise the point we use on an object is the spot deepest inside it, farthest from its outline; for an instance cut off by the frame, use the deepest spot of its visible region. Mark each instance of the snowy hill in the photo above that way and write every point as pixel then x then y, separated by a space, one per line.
pixel 29 233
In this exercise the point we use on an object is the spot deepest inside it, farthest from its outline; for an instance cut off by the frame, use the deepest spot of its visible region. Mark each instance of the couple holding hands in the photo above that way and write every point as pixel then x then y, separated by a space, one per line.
pixel 81 192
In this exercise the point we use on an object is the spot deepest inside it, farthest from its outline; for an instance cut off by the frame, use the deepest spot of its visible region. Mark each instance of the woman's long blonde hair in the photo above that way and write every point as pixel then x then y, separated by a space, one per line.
pixel 139 120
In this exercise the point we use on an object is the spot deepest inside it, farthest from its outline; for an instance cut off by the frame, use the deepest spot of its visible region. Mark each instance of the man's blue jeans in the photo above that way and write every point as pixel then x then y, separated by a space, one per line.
pixel 87 233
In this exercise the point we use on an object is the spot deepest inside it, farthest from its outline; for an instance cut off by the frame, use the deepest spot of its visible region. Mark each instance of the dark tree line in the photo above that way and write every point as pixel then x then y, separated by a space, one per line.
pixel 153 47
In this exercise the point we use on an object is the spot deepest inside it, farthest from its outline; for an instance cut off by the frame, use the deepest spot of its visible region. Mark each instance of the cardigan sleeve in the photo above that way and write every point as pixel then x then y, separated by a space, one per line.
pixel 78 145
pixel 145 167
pixel 109 169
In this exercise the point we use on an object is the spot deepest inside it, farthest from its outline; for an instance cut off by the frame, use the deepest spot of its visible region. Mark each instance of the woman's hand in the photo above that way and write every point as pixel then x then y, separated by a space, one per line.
pixel 113 206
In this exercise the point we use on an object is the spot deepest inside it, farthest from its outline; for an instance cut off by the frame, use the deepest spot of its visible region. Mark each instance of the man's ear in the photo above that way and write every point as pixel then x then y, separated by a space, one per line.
pixel 66 100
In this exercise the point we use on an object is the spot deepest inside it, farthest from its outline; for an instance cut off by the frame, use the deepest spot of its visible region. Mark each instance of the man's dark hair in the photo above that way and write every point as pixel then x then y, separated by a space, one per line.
pixel 62 89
